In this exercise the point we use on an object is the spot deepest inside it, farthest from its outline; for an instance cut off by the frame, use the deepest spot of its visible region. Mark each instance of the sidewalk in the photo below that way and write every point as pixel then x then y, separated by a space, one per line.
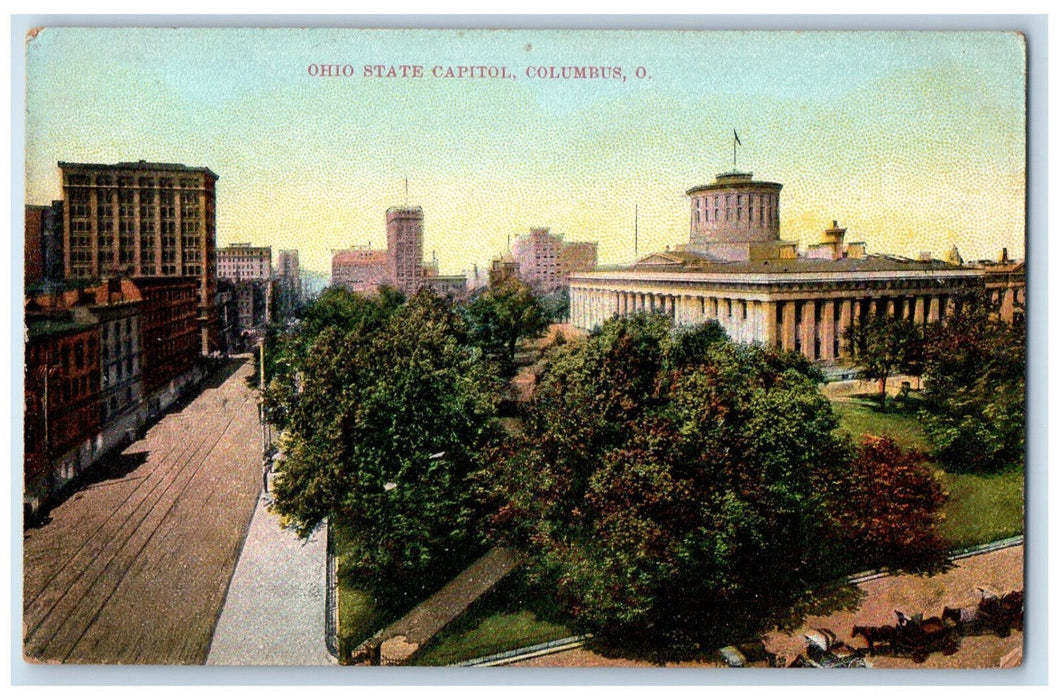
pixel 274 612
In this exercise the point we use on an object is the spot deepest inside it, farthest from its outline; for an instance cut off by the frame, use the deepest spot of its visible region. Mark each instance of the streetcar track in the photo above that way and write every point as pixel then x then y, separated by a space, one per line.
pixel 139 530
pixel 167 530
pixel 136 529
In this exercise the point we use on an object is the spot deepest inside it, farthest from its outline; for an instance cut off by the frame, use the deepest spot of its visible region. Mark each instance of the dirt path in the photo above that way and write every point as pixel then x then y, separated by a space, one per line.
pixel 1000 571
pixel 134 568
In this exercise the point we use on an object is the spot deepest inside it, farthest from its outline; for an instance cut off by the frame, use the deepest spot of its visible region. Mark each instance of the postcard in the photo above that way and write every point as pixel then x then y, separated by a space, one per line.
pixel 524 348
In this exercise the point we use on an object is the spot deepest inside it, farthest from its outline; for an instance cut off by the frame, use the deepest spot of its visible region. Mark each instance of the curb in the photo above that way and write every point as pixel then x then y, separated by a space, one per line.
pixel 331 599
pixel 529 652
pixel 953 555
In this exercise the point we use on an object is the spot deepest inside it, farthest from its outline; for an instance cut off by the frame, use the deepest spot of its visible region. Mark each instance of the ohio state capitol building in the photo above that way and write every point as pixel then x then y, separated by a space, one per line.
pixel 736 270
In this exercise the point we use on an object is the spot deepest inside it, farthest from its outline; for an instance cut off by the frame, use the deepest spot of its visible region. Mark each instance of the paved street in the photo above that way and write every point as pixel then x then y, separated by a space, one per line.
pixel 134 567
pixel 274 613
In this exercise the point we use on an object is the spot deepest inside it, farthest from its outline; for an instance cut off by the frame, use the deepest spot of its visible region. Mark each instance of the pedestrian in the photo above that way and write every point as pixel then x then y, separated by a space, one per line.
pixel 264 479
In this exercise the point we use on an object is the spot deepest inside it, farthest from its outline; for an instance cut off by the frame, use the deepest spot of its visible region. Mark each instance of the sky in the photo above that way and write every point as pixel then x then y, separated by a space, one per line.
pixel 913 141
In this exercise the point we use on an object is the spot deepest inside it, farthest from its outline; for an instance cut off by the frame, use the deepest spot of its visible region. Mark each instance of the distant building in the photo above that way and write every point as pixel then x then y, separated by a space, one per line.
pixel 227 317
pixel 143 219
pixel 545 261
pixel 577 257
pixel 252 304
pixel 360 270
pixel 537 256
pixel 503 268
pixel 243 261
pixel 404 248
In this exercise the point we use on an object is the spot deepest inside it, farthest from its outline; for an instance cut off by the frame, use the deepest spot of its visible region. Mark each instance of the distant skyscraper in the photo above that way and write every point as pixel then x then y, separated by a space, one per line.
pixel 289 282
pixel 404 247
pixel 143 219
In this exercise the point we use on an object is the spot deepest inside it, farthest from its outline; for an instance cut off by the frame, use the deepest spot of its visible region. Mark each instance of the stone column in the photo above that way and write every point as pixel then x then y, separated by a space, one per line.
pixel 788 325
pixel 890 308
pixel 768 318
pixel 933 310
pixel 809 329
pixel 917 314
pixel 1007 304
pixel 827 330
pixel 845 314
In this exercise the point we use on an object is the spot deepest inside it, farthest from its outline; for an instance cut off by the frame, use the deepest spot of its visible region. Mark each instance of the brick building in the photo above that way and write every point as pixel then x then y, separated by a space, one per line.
pixel 360 270
pixel 169 323
pixel 33 265
pixel 117 309
pixel 142 219
pixel 61 394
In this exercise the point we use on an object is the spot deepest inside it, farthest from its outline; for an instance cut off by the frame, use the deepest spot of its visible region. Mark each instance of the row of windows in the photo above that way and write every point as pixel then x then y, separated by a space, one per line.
pixel 766 212
pixel 81 180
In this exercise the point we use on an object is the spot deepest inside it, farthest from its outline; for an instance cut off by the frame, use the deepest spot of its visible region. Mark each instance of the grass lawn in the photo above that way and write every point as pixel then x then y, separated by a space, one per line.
pixel 980 509
pixel 860 418
pixel 491 633
pixel 358 617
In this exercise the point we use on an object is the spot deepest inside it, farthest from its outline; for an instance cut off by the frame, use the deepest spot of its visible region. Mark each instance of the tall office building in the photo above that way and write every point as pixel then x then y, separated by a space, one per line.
pixel 288 282
pixel 143 220
pixel 243 261
pixel 404 247
pixel 545 261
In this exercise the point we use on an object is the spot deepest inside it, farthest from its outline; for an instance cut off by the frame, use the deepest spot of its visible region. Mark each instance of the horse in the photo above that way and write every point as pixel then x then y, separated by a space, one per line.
pixel 1011 608
pixel 1001 612
pixel 875 634
pixel 920 637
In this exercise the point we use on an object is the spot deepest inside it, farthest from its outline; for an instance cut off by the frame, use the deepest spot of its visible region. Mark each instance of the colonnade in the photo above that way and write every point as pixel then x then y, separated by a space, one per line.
pixel 812 325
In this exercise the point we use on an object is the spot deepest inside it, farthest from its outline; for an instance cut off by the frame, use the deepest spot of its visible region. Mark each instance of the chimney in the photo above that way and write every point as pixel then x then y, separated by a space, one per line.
pixel 1004 255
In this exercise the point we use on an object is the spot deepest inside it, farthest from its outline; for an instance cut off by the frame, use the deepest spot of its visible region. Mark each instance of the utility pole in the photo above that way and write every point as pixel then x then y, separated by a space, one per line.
pixel 636 233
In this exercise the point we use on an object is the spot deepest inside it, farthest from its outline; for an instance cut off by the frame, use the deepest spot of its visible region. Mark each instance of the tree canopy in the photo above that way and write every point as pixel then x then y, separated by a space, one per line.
pixel 502 315
pixel 892 507
pixel 975 391
pixel 884 345
pixel 386 421
pixel 673 486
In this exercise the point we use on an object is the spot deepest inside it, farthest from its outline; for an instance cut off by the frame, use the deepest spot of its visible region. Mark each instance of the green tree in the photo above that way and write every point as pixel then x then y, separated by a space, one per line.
pixel 884 345
pixel 384 436
pixel 975 391
pixel 672 487
pixel 501 316
pixel 335 311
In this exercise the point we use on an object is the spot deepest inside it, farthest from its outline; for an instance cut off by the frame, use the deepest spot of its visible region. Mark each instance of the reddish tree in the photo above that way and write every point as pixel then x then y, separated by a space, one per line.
pixel 893 507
